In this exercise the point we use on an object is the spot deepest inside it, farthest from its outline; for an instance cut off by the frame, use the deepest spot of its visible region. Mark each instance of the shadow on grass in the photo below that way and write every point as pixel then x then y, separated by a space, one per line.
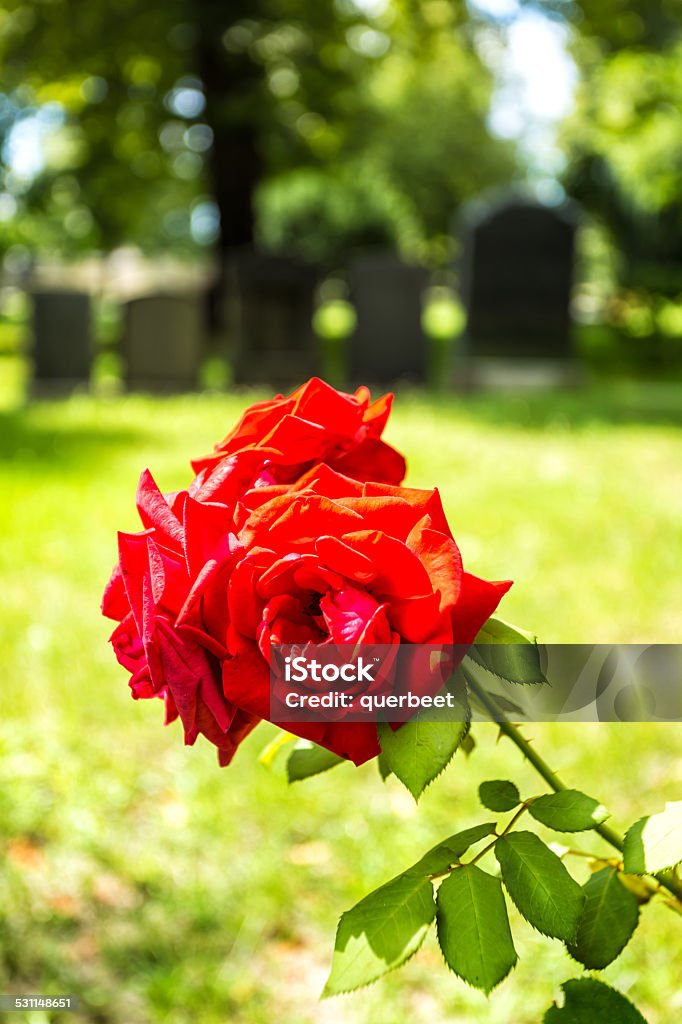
pixel 623 404
pixel 41 436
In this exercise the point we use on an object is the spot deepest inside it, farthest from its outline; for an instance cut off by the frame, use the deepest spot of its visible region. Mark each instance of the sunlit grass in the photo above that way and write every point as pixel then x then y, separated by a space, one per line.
pixel 158 887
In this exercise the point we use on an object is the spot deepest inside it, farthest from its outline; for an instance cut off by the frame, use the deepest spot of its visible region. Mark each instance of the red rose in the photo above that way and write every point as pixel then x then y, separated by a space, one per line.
pixel 277 441
pixel 166 637
pixel 255 553
pixel 334 560
pixel 184 540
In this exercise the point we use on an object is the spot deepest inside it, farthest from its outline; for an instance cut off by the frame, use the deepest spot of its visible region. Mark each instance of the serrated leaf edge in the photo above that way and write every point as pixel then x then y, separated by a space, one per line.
pixel 541 931
pixel 476 988
pixel 326 994
pixel 542 681
pixel 416 796
pixel 588 967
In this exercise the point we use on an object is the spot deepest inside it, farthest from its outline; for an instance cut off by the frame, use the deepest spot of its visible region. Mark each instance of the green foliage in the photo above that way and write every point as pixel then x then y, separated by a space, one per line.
pixel 444 316
pixel 473 927
pixel 508 652
pixel 321 213
pixel 334 320
pixel 499 795
pixel 622 142
pixel 308 759
pixel 655 843
pixel 497 631
pixel 102 898
pixel 421 748
pixel 609 918
pixel 540 885
pixel 381 932
pixel 360 126
pixel 382 764
pixel 388 926
pixel 568 811
pixel 448 852
pixel 588 1001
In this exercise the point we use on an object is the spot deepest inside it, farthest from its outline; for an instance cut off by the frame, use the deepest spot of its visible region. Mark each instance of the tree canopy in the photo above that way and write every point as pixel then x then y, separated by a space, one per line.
pixel 369 121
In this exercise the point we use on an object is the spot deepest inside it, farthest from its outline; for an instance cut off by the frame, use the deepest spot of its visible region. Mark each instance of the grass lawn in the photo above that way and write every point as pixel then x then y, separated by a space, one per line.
pixel 159 888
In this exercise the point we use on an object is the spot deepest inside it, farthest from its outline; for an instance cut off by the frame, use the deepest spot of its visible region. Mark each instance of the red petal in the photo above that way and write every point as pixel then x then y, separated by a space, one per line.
pixel 294 522
pixel 399 573
pixel 377 414
pixel 345 560
pixel 327 482
pixel 441 558
pixel 115 604
pixel 477 601
pixel 208 534
pixel 156 512
pixel 339 413
pixel 372 459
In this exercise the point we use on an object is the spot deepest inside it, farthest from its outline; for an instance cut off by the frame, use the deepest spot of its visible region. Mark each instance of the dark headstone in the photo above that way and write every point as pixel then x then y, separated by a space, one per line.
pixel 516 279
pixel 388 343
pixel 268 313
pixel 163 342
pixel 62 339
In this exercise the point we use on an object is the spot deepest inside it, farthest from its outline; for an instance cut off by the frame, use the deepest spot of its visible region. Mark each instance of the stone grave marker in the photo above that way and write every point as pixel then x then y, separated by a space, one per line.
pixel 517 275
pixel 388 343
pixel 163 342
pixel 62 339
pixel 269 303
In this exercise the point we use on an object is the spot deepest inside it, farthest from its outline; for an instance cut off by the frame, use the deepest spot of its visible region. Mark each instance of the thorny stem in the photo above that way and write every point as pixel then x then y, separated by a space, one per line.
pixel 498 835
pixel 508 827
pixel 667 879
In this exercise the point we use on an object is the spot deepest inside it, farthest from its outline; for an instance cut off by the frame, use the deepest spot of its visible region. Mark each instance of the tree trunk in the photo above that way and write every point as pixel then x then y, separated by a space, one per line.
pixel 236 101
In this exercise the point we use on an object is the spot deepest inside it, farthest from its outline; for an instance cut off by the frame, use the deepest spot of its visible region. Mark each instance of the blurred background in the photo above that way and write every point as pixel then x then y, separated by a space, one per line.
pixel 321 159
pixel 478 203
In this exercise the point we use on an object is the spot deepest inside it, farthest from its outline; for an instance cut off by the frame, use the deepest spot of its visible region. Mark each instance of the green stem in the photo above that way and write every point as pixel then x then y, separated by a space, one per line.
pixel 508 827
pixel 666 878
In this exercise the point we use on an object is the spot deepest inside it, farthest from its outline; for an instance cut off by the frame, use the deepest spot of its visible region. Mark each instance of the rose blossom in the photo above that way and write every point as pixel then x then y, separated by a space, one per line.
pixel 259 551
pixel 278 440
pixel 188 535
pixel 185 541
pixel 334 560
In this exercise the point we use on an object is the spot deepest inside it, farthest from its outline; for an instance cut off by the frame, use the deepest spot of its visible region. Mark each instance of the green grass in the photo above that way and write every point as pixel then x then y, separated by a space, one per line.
pixel 158 887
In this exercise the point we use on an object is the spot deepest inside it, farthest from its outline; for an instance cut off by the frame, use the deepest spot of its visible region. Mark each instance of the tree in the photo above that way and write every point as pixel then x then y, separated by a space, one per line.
pixel 624 149
pixel 166 114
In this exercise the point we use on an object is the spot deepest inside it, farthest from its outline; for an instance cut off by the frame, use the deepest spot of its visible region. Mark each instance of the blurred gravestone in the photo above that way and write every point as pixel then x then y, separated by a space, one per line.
pixel 268 314
pixel 62 339
pixel 517 276
pixel 163 342
pixel 388 343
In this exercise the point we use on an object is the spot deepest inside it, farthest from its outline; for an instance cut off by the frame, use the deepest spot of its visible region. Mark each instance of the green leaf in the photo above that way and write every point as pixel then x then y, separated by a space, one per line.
pixel 449 851
pixel 610 916
pixel 468 744
pixel 540 885
pixel 588 1001
pixel 568 811
pixel 473 927
pixel 497 631
pixel 655 843
pixel 508 652
pixel 499 795
pixel 308 759
pixel 382 765
pixel 421 748
pixel 381 932
pixel 276 754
